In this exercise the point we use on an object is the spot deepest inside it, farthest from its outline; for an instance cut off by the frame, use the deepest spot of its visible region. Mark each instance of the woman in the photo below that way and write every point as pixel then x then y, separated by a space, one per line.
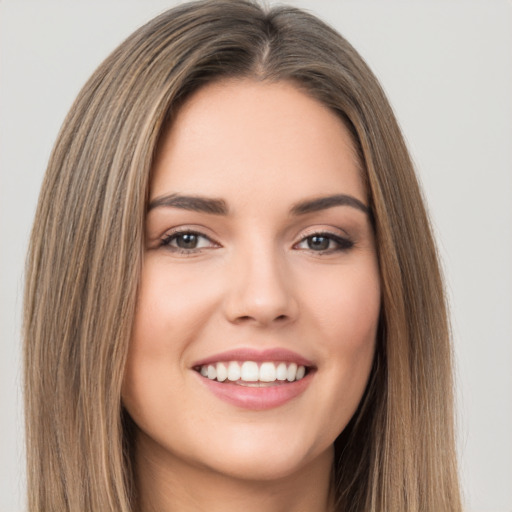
pixel 233 297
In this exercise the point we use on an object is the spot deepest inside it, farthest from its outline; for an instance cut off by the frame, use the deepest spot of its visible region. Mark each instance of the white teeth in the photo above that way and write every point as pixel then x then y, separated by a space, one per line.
pixel 282 371
pixel 233 371
pixel 292 372
pixel 249 371
pixel 267 372
pixel 222 372
pixel 212 372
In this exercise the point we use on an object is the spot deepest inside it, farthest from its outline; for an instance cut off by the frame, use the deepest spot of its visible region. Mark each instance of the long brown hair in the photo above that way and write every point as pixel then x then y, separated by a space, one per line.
pixel 397 453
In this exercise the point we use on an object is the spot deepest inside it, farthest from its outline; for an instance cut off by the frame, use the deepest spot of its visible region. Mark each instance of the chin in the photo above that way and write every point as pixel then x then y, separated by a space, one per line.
pixel 262 468
pixel 258 460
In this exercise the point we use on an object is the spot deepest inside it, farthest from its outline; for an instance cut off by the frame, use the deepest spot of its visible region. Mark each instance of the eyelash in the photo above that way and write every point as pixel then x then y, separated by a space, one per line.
pixel 342 244
pixel 168 239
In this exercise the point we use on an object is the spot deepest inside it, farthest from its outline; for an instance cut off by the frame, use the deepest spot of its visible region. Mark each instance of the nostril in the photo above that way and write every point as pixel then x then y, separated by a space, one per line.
pixel 246 318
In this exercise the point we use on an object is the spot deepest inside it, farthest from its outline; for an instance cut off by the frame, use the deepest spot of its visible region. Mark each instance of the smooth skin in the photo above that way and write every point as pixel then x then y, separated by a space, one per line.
pixel 258 276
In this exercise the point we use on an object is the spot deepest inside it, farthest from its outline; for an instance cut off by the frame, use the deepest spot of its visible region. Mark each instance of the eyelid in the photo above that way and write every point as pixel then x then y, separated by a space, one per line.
pixel 189 228
pixel 324 230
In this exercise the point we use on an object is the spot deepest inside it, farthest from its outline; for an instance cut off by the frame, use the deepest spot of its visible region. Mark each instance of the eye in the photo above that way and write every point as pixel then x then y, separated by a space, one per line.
pixel 325 242
pixel 187 241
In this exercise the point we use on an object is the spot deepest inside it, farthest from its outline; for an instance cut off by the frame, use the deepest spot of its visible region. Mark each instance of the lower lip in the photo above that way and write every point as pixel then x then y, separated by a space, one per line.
pixel 257 398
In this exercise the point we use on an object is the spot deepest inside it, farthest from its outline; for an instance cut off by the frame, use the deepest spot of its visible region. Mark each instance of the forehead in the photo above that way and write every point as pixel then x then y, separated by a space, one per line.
pixel 266 139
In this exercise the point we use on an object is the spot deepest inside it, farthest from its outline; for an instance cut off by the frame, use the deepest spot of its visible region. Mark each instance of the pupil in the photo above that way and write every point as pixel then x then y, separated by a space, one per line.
pixel 187 241
pixel 318 243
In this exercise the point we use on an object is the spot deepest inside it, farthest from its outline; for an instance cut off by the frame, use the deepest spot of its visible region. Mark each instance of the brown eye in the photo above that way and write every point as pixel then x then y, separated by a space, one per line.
pixel 325 242
pixel 187 241
pixel 318 243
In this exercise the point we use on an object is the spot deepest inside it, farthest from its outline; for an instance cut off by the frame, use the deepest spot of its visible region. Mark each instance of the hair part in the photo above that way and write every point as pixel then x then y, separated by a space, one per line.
pixel 86 252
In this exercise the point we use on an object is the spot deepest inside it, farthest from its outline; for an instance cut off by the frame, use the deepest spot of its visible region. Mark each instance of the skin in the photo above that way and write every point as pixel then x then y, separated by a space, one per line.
pixel 253 281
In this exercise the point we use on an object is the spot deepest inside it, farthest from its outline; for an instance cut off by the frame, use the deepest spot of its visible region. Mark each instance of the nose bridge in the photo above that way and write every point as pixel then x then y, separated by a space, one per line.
pixel 260 290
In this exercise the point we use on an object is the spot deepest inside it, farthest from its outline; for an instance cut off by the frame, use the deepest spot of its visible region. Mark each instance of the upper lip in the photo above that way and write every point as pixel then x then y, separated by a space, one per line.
pixel 248 354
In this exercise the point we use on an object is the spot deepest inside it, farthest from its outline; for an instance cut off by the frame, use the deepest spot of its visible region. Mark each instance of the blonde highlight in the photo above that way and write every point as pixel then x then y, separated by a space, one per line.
pixel 85 257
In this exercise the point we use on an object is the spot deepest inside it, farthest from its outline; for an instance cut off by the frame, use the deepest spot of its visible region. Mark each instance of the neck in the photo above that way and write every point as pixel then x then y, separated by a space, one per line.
pixel 168 485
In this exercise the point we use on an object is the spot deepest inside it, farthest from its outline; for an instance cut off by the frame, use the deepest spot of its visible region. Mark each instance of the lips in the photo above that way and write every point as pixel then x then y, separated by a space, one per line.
pixel 255 379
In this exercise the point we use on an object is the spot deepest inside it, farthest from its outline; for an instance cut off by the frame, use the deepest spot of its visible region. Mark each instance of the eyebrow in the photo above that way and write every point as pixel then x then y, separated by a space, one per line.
pixel 193 203
pixel 219 206
pixel 322 203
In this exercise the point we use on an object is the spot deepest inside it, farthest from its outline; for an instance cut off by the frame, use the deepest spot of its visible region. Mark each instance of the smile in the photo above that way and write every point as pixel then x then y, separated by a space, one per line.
pixel 256 379
pixel 251 373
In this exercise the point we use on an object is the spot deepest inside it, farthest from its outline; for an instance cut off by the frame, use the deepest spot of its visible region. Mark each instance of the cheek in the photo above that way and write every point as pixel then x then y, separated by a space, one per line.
pixel 346 307
pixel 344 326
pixel 351 321
pixel 164 326
pixel 164 319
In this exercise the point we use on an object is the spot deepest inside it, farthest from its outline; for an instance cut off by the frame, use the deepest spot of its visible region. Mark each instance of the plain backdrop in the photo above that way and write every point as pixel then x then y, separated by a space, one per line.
pixel 447 68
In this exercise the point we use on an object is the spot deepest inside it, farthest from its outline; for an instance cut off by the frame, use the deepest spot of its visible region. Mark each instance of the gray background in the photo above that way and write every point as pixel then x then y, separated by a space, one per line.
pixel 447 68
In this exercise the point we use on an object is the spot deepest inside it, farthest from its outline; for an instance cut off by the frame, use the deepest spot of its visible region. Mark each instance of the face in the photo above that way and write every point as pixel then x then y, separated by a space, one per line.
pixel 259 299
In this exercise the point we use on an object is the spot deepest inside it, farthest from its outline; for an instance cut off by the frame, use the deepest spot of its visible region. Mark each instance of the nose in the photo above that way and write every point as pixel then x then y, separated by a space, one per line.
pixel 260 290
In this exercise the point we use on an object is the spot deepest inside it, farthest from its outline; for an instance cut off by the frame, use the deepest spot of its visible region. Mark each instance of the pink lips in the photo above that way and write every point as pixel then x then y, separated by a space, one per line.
pixel 257 398
pixel 258 356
